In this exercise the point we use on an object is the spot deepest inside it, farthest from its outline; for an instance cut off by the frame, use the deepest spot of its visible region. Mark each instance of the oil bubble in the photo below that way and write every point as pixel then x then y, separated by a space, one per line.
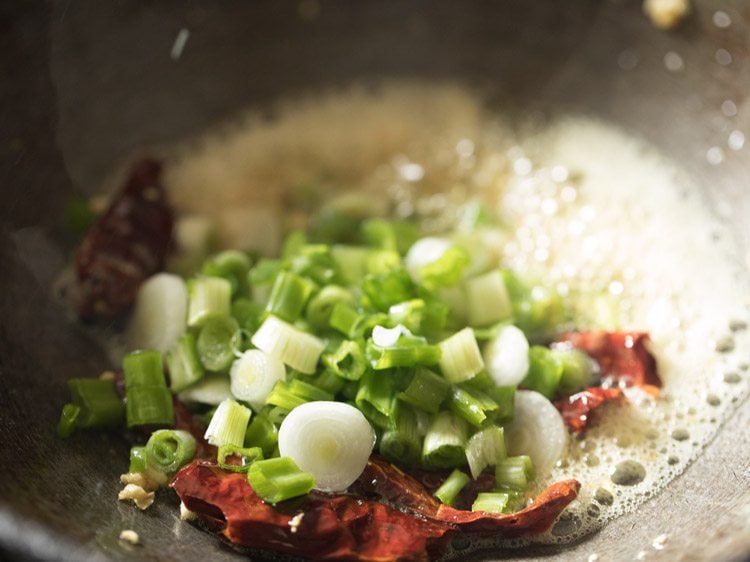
pixel 628 473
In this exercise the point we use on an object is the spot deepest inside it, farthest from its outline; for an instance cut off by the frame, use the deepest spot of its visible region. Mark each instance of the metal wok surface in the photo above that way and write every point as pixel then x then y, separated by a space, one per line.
pixel 84 84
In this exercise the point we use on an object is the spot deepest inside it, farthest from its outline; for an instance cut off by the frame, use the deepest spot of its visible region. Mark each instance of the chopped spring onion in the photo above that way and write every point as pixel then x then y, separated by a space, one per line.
pixel 537 310
pixel 451 487
pixel 149 405
pixel 382 261
pixel 218 342
pixel 487 299
pixel 490 502
pixel 402 443
pixel 282 397
pixel 316 262
pixel 261 278
pixel 320 307
pixel 100 407
pixel 395 235
pixel 308 392
pixel 331 440
pixel 148 401
pixel 444 442
pixel 544 372
pixel 330 381
pixel 68 418
pixel 447 270
pixel 514 473
pixel 291 345
pixel 537 430
pixel 352 261
pixel 507 356
pixel 248 313
pixel 279 479
pixel 578 369
pixel 424 252
pixel 345 319
pixel 242 457
pixel 143 368
pixel 228 424
pixel 388 337
pixel 137 459
pixel 426 390
pixel 407 352
pixel 347 361
pixel 504 397
pixel 375 396
pixel 471 405
pixel 233 266
pixel 184 364
pixel 159 313
pixel 262 433
pixel 388 288
pixel 212 389
pixel 288 296
pixel 254 375
pixel 169 449
pixel 208 296
pixel 460 357
pixel 485 448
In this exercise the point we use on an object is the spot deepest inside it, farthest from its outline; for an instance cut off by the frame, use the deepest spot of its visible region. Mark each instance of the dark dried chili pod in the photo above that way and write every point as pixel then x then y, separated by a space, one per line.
pixel 126 245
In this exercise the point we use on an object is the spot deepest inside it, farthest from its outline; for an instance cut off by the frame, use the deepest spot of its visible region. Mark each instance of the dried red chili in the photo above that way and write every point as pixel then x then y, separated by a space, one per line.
pixel 127 244
pixel 624 360
pixel 623 357
pixel 576 408
pixel 396 519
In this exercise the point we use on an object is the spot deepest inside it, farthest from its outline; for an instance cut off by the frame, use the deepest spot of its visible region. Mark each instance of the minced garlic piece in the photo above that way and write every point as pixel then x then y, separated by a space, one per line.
pixel 140 497
pixel 666 14
pixel 146 480
pixel 130 536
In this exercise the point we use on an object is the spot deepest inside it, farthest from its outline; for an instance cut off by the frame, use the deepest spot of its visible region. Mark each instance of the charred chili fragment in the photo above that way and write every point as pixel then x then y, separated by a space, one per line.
pixel 126 245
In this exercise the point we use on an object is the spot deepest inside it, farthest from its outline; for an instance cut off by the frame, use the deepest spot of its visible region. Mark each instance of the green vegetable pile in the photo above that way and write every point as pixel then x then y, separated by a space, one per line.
pixel 379 316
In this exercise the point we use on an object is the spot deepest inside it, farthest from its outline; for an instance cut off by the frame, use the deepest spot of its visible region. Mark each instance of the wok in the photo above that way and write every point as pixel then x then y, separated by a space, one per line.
pixel 84 84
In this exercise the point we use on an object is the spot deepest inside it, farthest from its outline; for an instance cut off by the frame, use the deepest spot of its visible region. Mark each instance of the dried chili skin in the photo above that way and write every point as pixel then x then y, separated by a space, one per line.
pixel 624 360
pixel 126 245
pixel 387 516
pixel 623 357
pixel 576 409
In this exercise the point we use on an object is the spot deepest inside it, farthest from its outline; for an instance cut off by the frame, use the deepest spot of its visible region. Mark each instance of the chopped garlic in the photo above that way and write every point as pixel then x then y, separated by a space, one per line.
pixel 140 497
pixel 147 480
pixel 130 536
pixel 666 14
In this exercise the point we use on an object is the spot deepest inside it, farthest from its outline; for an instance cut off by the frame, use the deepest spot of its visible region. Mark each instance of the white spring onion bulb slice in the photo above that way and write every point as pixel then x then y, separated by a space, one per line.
pixel 291 345
pixel 159 315
pixel 253 376
pixel 506 356
pixel 331 440
pixel 537 430
pixel 424 252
